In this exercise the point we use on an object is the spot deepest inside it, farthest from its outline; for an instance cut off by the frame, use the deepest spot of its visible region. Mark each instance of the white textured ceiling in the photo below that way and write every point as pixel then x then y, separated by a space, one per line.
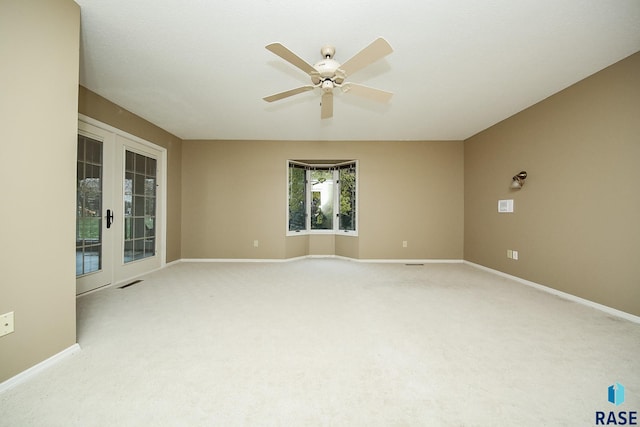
pixel 199 68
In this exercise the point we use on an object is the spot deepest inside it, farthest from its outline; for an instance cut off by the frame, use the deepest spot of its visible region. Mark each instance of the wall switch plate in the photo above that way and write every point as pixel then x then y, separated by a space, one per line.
pixel 6 323
pixel 505 206
pixel 514 255
pixel 405 243
pixel 256 243
pixel 509 253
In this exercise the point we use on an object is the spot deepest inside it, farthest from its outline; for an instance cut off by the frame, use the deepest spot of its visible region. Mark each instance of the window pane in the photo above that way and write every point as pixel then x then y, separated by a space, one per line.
pixel 80 149
pixel 138 184
pixel 130 161
pixel 138 249
pixel 149 247
pixel 128 191
pixel 79 261
pixel 91 259
pixel 149 227
pixel 297 198
pixel 88 230
pixel 138 228
pixel 140 207
pixel 347 198
pixel 140 164
pixel 150 186
pixel 128 251
pixel 128 228
pixel 151 167
pixel 88 206
pixel 149 206
pixel 93 151
pixel 321 200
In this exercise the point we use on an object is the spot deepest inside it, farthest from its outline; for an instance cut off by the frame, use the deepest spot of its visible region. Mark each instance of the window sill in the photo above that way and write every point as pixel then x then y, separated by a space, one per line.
pixel 322 232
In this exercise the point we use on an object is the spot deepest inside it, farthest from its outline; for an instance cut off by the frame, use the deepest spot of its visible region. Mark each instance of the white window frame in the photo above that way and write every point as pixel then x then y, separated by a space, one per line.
pixel 336 198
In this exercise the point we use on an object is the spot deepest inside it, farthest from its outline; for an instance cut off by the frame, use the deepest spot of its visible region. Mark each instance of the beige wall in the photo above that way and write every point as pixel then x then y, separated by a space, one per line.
pixel 577 220
pixel 234 192
pixel 99 108
pixel 38 105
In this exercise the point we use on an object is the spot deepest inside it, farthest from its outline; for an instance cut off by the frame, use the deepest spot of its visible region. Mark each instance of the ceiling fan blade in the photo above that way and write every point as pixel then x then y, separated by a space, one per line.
pixel 326 110
pixel 367 92
pixel 291 57
pixel 288 93
pixel 378 49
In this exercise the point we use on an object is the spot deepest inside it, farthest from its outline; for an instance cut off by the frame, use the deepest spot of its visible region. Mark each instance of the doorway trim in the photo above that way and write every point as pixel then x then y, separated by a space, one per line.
pixel 162 182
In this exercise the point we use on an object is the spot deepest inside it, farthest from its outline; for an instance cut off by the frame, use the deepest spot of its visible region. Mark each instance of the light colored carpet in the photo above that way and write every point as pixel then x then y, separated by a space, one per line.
pixel 329 342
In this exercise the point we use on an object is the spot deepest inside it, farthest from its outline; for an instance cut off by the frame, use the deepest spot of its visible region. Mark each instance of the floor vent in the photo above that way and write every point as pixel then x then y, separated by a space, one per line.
pixel 413 264
pixel 130 284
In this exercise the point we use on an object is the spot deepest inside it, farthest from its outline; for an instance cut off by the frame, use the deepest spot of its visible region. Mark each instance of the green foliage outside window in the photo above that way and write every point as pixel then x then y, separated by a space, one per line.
pixel 348 199
pixel 297 192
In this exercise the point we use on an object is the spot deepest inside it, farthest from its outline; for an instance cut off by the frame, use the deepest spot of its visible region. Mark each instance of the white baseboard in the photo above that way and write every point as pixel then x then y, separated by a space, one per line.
pixel 239 259
pixel 567 296
pixel 169 264
pixel 369 260
pixel 408 261
pixel 36 369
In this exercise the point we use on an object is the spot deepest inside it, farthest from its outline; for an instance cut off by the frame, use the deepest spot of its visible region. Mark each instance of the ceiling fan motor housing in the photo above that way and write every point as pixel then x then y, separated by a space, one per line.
pixel 327 67
pixel 330 73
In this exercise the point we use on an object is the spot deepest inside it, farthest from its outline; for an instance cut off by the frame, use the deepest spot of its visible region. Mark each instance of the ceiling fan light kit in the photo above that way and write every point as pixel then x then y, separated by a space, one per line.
pixel 328 73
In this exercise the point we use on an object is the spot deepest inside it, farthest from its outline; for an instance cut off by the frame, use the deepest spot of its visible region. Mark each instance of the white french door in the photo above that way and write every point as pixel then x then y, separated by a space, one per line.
pixel 120 207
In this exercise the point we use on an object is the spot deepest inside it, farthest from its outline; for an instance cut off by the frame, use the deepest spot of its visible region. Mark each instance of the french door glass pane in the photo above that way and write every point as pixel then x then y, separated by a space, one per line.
pixel 88 206
pixel 139 207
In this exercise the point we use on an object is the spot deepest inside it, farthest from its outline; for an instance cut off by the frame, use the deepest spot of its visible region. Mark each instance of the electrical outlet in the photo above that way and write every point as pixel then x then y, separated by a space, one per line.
pixel 6 323
pixel 405 244
pixel 256 243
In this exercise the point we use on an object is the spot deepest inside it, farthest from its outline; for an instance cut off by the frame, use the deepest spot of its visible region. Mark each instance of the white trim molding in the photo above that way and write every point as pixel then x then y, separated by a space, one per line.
pixel 239 259
pixel 408 261
pixel 36 369
pixel 564 295
pixel 364 260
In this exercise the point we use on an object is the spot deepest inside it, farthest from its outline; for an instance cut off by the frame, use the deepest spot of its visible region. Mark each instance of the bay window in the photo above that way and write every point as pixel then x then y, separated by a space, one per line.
pixel 322 197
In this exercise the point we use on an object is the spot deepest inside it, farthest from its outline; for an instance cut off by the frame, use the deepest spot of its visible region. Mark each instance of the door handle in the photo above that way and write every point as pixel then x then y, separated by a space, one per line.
pixel 109 218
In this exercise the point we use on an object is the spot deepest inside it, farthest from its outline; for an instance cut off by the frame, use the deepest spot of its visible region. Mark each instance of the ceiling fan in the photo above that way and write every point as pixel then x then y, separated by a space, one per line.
pixel 328 73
